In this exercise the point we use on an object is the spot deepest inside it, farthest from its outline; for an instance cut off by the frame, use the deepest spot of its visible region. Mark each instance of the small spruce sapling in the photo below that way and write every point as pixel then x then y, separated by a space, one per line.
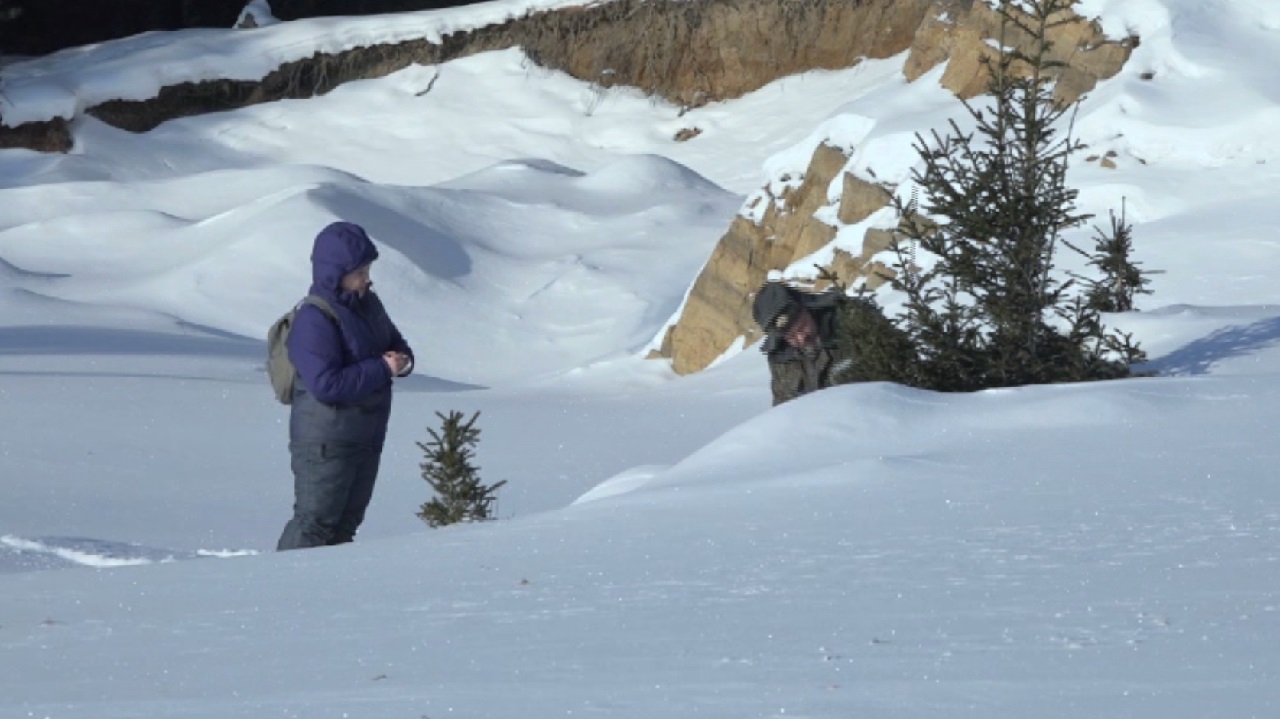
pixel 1121 278
pixel 448 468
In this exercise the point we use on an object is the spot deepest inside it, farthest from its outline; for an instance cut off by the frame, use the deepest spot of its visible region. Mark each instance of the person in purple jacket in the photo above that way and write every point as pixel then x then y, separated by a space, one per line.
pixel 342 399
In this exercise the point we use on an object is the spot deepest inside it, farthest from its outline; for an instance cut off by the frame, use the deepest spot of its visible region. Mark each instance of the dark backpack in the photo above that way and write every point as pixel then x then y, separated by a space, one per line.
pixel 280 369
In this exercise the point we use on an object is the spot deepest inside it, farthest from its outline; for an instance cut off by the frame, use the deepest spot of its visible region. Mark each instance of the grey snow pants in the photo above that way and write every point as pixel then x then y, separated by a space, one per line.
pixel 332 485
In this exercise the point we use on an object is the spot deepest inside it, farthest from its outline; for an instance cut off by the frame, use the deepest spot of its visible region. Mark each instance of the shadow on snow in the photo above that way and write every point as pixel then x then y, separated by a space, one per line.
pixel 1196 358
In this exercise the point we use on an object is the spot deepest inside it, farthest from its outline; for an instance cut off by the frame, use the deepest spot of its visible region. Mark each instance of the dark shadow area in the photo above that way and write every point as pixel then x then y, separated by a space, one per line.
pixel 391 221
pixel 37 27
pixel 10 269
pixel 1197 357
pixel 294 9
pixel 119 375
pixel 413 383
pixel 426 383
pixel 80 340
pixel 83 340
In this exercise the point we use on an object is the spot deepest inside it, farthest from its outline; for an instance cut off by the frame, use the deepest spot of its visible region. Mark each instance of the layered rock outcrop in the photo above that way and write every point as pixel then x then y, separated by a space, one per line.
pixel 718 309
pixel 961 40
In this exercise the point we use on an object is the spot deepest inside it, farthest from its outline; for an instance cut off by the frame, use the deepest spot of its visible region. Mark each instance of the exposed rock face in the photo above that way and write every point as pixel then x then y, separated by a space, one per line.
pixel 313 76
pixel 50 136
pixel 697 51
pixel 962 38
pixel 718 310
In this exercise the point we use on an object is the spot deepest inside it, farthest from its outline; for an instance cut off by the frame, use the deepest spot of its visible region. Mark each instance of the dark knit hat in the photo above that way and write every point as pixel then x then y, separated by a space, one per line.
pixel 775 305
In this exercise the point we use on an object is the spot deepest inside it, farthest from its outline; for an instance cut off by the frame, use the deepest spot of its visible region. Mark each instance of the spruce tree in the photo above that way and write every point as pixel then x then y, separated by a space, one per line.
pixel 448 468
pixel 984 306
pixel 1121 278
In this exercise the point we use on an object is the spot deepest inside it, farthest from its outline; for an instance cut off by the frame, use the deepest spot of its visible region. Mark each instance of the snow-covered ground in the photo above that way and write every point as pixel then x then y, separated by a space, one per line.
pixel 668 546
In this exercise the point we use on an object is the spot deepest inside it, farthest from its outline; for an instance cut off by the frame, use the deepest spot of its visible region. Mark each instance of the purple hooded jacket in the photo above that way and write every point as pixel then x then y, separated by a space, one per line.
pixel 343 393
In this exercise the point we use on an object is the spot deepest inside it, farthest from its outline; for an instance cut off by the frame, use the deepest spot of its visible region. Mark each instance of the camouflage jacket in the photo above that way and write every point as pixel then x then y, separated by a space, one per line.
pixel 795 372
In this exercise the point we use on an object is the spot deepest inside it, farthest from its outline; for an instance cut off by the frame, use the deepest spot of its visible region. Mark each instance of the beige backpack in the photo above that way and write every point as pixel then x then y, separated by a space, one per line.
pixel 280 369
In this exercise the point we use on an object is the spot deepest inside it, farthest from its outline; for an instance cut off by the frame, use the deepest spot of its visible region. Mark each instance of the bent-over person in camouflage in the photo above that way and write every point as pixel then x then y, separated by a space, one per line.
pixel 799 338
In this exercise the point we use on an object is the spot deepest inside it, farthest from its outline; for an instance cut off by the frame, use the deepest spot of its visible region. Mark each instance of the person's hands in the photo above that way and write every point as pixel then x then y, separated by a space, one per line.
pixel 396 362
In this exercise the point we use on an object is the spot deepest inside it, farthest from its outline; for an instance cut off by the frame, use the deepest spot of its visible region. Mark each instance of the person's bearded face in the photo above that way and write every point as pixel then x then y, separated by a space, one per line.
pixel 801 331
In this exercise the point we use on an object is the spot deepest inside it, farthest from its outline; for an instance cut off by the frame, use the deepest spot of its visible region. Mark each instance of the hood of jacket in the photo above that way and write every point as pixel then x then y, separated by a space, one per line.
pixel 339 249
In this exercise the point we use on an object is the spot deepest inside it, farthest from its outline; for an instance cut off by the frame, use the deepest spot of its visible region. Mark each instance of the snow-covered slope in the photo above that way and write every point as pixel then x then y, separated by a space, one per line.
pixel 668 546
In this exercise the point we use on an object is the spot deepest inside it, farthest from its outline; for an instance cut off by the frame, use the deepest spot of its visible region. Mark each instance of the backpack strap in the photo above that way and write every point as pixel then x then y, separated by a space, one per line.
pixel 323 305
